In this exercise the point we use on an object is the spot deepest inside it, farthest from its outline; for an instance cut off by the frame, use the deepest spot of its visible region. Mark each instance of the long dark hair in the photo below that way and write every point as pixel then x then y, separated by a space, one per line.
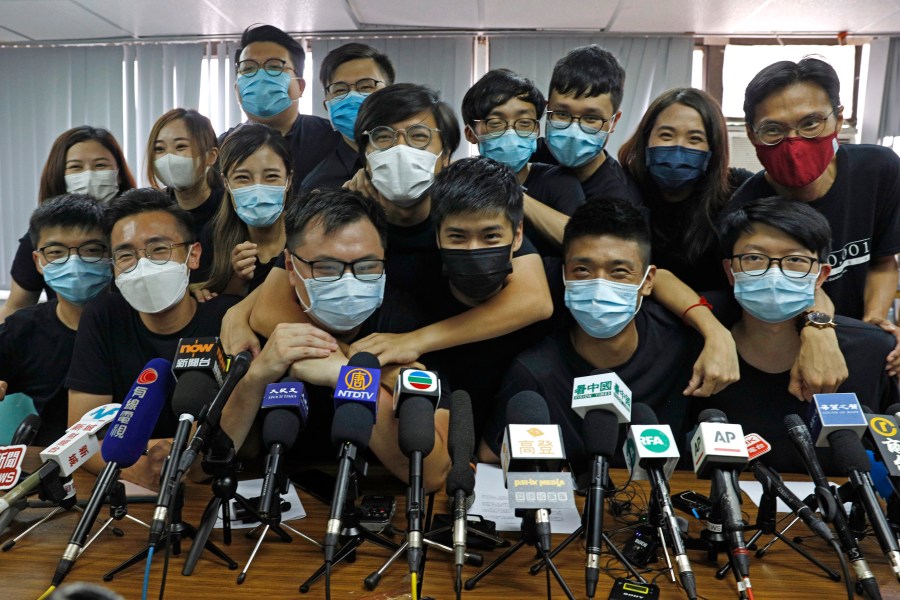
pixel 697 232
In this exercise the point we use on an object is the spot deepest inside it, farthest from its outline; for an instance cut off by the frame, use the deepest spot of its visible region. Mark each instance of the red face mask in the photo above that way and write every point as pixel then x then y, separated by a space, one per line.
pixel 796 162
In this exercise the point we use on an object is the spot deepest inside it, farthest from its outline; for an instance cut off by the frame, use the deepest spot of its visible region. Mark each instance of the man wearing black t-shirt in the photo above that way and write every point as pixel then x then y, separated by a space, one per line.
pixel 269 82
pixel 349 74
pixel 36 342
pixel 793 116
pixel 502 114
pixel 775 301
pixel 335 265
pixel 608 275
pixel 153 252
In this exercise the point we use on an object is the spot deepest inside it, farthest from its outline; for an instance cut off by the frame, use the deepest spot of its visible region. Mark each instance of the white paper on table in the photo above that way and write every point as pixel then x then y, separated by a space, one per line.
pixel 492 503
pixel 251 488
pixel 133 490
pixel 801 489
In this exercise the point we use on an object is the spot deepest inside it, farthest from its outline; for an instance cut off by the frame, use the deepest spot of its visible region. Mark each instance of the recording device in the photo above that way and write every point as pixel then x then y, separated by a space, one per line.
pixel 286 408
pixel 693 503
pixel 641 548
pixel 416 439
pixel 830 507
pixel 124 444
pixel 416 383
pixel 377 512
pixel 461 479
pixel 651 453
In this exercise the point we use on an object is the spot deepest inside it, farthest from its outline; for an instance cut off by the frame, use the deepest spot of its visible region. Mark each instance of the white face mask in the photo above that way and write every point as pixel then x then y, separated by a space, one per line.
pixel 179 172
pixel 152 288
pixel 402 174
pixel 343 304
pixel 102 185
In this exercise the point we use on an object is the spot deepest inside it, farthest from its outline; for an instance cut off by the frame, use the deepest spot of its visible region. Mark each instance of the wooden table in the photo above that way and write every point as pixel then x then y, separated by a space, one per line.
pixel 279 567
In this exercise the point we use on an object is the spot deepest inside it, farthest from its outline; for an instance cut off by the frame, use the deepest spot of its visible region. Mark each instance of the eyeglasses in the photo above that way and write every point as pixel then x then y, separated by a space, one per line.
pixel 495 126
pixel 588 123
pixel 339 89
pixel 368 269
pixel 89 252
pixel 417 136
pixel 809 127
pixel 272 66
pixel 794 265
pixel 159 253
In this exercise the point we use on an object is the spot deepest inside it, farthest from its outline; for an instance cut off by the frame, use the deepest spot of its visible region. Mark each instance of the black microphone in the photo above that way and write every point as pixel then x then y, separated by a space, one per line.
pixel 193 391
pixel 26 431
pixel 831 508
pixel 461 479
pixel 416 439
pixel 851 458
pixel 641 414
pixel 600 432
pixel 770 480
pixel 286 408
pixel 209 420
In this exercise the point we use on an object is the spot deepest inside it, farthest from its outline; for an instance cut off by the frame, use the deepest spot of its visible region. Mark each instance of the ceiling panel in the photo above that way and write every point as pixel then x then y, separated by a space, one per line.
pixel 163 17
pixel 540 14
pixel 679 16
pixel 815 15
pixel 7 36
pixel 420 13
pixel 55 20
pixel 289 15
pixel 890 21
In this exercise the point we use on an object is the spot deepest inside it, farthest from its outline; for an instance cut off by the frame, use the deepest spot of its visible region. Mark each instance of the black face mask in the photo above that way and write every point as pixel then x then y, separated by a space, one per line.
pixel 477 273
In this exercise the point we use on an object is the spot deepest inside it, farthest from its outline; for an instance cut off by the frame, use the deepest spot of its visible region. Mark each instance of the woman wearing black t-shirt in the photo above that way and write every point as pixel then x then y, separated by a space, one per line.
pixel 181 156
pixel 82 160
pixel 679 158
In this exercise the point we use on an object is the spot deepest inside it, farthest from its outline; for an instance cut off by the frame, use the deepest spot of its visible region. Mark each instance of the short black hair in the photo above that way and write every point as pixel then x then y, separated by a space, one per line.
pixel 589 71
pixel 399 102
pixel 76 211
pixel 613 217
pixel 784 73
pixel 793 218
pixel 497 87
pixel 477 185
pixel 354 51
pixel 270 33
pixel 141 200
pixel 333 208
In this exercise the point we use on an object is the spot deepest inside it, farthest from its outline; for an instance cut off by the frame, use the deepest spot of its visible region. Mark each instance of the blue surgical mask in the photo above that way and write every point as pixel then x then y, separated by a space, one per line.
pixel 773 297
pixel 510 149
pixel 344 304
pixel 264 95
pixel 572 147
pixel 674 168
pixel 601 307
pixel 342 112
pixel 259 205
pixel 76 280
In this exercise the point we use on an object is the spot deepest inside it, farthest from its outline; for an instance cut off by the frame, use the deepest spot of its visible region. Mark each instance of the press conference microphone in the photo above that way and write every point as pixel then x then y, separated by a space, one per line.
pixel 355 410
pixel 720 454
pixel 209 420
pixel 656 454
pixel 831 509
pixel 416 438
pixel 600 432
pixel 850 457
pixel 286 409
pixel 193 391
pixel 416 383
pixel 27 430
pixel 124 444
pixel 461 479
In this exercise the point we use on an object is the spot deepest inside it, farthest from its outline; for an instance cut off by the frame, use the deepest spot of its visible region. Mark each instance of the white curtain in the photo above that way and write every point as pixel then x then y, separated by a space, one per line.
pixel 443 64
pixel 652 66
pixel 889 124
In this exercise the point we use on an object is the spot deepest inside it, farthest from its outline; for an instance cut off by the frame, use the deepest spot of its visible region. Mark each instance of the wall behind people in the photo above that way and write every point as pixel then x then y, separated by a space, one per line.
pixel 652 66
pixel 442 64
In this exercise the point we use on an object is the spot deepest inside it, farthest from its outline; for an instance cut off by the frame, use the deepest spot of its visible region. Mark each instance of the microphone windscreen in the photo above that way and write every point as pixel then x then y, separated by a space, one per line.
pixel 416 429
pixel 866 409
pixel 712 415
pixel 364 359
pixel 281 426
pixel 126 440
pixel 600 432
pixel 527 408
pixel 892 409
pixel 461 433
pixel 641 414
pixel 193 391
pixel 849 453
pixel 791 421
pixel 352 423
pixel 26 431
